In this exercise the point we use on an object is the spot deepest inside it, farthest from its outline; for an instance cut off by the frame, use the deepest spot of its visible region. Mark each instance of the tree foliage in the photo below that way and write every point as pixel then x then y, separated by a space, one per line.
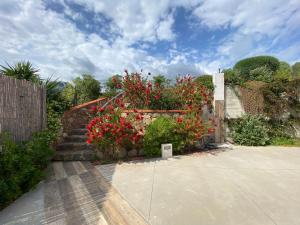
pixel 205 80
pixel 232 77
pixel 84 88
pixel 245 66
pixel 161 80
pixel 113 85
pixel 262 73
pixel 284 72
pixel 296 69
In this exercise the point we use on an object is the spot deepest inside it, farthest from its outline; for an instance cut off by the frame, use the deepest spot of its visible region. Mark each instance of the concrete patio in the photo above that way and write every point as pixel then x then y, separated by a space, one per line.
pixel 242 186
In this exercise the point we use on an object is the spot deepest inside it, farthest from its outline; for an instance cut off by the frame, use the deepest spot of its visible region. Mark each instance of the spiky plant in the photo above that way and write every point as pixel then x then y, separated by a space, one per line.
pixel 21 70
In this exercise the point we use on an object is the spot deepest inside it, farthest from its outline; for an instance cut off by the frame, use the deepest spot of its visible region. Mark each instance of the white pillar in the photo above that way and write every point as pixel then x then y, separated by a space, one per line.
pixel 219 104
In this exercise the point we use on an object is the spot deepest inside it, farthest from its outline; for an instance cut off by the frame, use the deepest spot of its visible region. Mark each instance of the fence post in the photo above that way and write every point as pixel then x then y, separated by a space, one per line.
pixel 219 104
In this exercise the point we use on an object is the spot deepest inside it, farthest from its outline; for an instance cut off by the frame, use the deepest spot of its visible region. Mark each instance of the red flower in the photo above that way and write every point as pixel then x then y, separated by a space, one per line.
pixel 179 120
pixel 101 109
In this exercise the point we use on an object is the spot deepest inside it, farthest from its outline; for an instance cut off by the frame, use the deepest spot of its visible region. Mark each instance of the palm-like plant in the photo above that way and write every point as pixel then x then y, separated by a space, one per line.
pixel 21 70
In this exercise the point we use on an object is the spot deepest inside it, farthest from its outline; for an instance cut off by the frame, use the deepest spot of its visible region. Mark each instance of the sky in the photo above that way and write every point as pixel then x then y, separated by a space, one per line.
pixel 66 38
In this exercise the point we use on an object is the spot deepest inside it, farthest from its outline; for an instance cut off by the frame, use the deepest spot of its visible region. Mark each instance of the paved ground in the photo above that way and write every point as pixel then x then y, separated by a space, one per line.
pixel 75 194
pixel 257 186
pixel 243 186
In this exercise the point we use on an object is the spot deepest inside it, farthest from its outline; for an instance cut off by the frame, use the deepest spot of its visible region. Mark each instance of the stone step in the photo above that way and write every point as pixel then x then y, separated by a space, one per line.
pixel 75 138
pixel 68 146
pixel 79 131
pixel 82 126
pixel 77 155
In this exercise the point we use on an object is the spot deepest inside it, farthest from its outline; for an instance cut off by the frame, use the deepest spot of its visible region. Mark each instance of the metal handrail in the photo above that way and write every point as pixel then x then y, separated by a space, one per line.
pixel 110 100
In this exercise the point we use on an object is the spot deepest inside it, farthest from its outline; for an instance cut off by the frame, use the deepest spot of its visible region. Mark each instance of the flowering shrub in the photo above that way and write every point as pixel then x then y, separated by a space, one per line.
pixel 160 131
pixel 192 95
pixel 111 131
pixel 192 127
pixel 139 92
pixel 181 132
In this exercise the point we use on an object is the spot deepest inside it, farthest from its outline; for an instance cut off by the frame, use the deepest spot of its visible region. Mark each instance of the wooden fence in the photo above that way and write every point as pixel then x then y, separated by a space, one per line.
pixel 22 108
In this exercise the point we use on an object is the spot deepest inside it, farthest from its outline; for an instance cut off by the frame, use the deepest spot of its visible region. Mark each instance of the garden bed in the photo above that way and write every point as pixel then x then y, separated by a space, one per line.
pixel 145 115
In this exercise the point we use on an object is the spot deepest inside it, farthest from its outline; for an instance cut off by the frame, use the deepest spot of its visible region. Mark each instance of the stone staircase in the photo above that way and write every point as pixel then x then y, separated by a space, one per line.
pixel 72 145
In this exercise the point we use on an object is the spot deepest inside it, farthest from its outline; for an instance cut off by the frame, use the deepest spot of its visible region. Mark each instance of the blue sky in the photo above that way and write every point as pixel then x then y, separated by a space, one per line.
pixel 170 37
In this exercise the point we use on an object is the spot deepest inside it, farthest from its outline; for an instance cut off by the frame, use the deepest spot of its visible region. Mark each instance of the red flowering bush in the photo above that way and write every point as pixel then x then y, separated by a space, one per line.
pixel 192 127
pixel 112 131
pixel 139 92
pixel 192 95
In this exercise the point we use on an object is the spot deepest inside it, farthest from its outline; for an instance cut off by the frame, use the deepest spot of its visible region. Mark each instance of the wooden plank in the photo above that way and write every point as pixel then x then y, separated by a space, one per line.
pixel 219 120
pixel 22 107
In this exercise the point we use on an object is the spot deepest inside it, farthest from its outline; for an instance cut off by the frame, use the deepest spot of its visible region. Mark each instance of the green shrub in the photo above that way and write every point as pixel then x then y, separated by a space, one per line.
pixel 284 72
pixel 206 80
pixel 250 130
pixel 296 70
pixel 281 96
pixel 167 101
pixel 22 164
pixel 248 64
pixel 161 131
pixel 232 77
pixel 262 73
pixel 39 149
pixel 284 141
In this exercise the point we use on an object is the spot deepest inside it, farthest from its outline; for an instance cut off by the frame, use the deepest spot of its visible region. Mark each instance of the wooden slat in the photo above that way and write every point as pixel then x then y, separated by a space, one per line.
pixel 22 108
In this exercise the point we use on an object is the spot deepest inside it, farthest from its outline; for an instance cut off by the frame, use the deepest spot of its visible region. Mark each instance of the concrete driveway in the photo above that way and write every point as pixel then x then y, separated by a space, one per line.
pixel 242 186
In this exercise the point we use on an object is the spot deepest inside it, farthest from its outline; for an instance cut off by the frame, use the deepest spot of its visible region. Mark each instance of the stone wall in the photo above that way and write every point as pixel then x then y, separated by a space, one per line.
pixel 234 107
pixel 151 115
pixel 148 117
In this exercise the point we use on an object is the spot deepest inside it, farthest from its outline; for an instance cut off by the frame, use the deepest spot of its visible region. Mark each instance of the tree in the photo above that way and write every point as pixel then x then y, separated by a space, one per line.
pixel 84 88
pixel 284 71
pixel 113 85
pixel 205 80
pixel 21 70
pixel 161 80
pixel 244 66
pixel 262 73
pixel 296 69
pixel 232 77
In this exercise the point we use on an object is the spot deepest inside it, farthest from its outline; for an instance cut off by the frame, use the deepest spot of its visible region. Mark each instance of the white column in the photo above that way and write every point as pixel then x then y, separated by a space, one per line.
pixel 219 104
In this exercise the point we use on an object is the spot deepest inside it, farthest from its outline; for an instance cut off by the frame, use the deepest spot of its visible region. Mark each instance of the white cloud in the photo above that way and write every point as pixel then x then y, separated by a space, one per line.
pixel 54 43
pixel 254 22
pixel 56 46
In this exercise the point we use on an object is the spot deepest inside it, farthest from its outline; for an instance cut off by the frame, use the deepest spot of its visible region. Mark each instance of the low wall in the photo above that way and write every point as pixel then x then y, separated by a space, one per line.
pixel 148 117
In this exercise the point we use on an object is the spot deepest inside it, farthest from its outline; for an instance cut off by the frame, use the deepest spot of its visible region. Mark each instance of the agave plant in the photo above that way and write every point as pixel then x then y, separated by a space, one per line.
pixel 21 70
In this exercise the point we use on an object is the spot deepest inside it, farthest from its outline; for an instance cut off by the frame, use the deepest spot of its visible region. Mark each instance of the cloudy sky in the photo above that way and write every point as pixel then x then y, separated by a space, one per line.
pixel 170 37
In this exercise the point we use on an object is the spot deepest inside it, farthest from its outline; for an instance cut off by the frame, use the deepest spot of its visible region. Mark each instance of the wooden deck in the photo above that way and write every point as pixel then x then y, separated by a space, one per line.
pixel 74 194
